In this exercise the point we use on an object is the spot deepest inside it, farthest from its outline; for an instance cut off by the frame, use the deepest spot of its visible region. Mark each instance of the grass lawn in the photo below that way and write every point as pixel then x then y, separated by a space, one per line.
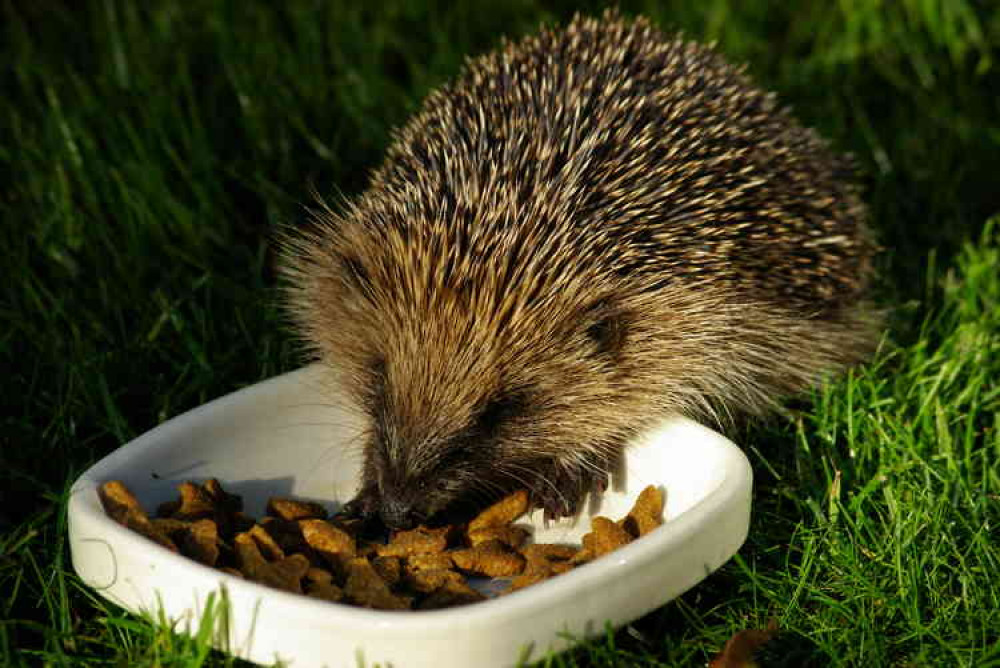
pixel 150 150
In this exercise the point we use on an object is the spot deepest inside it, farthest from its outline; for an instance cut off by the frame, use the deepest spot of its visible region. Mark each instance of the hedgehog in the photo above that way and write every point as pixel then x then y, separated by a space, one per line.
pixel 588 230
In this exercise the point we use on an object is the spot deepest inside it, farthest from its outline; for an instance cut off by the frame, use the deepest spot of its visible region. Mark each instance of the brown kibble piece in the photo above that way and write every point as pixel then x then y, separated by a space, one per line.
pixel 545 559
pixel 526 580
pixel 248 556
pixel 118 501
pixel 366 588
pixel 550 551
pixel 121 505
pixel 490 558
pixel 427 581
pixel 266 543
pixel 646 513
pixel 196 504
pixel 452 593
pixel 326 591
pixel 283 574
pixel 293 509
pixel 502 512
pixel 289 572
pixel 233 523
pixel 316 575
pixel 286 534
pixel 508 535
pixel 241 522
pixel 201 542
pixel 429 562
pixel 605 536
pixel 333 544
pixel 416 541
pixel 168 508
pixel 221 499
pixel 367 549
pixel 560 567
pixel 175 529
pixel 229 570
pixel 389 569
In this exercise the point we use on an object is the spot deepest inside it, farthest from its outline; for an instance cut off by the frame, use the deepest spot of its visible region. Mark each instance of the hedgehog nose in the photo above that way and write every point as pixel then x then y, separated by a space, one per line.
pixel 396 514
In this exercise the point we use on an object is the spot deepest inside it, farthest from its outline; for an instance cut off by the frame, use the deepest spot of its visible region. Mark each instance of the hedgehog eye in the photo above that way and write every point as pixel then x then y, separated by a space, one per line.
pixel 607 331
pixel 499 410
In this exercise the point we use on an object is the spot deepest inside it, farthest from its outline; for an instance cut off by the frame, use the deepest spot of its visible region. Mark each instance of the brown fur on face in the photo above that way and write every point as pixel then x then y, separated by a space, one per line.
pixel 586 231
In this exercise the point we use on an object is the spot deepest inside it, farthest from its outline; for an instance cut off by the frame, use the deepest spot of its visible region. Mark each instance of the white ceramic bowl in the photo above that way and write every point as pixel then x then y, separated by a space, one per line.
pixel 285 437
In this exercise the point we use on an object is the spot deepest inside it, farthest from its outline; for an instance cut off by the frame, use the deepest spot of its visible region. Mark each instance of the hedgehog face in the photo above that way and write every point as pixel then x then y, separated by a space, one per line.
pixel 422 461
pixel 459 412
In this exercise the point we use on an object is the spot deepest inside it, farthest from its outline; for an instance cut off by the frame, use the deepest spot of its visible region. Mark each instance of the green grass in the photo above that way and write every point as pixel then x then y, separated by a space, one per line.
pixel 149 151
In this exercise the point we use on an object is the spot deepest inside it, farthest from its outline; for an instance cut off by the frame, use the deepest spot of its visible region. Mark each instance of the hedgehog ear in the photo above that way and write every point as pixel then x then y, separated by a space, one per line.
pixel 607 328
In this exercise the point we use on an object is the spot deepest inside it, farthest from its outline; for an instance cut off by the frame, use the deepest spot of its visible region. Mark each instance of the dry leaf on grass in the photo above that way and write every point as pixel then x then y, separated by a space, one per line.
pixel 739 650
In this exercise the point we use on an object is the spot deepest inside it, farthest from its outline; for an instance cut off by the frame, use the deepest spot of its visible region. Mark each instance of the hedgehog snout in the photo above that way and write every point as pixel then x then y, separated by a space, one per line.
pixel 400 507
pixel 397 514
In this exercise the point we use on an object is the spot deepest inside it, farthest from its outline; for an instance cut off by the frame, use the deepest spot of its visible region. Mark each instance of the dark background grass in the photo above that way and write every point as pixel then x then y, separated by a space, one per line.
pixel 149 152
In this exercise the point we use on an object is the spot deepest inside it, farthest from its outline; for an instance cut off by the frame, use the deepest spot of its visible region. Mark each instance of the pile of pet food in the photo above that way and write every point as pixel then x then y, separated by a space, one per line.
pixel 296 547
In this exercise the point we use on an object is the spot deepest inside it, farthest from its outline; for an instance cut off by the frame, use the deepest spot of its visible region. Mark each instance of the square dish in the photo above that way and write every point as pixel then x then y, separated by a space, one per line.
pixel 289 436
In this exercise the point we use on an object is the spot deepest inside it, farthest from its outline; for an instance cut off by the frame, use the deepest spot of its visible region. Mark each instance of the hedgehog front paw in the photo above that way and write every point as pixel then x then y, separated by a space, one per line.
pixel 561 493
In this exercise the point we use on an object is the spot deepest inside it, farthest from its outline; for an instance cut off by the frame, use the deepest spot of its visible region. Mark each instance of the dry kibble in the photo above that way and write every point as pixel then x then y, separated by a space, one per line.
pixel 646 514
pixel 502 512
pixel 427 581
pixel 231 524
pixel 175 529
pixel 168 508
pixel 201 542
pixel 221 499
pixel 452 593
pixel 333 544
pixel 491 559
pixel 316 575
pixel 606 536
pixel 288 535
pixel 560 567
pixel 295 549
pixel 416 541
pixel 266 543
pixel 121 505
pixel 367 550
pixel 118 501
pixel 366 588
pixel 196 504
pixel 510 536
pixel 293 509
pixel 550 552
pixel 248 556
pixel 429 562
pixel 326 591
pixel 389 568
pixel 545 560
pixel 286 573
pixel 526 580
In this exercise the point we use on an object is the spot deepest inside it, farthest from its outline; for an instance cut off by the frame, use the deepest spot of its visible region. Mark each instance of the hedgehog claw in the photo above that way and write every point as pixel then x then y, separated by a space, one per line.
pixel 563 497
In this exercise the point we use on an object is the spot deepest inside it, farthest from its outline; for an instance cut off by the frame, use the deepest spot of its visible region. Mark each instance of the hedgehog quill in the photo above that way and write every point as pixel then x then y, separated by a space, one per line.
pixel 588 230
